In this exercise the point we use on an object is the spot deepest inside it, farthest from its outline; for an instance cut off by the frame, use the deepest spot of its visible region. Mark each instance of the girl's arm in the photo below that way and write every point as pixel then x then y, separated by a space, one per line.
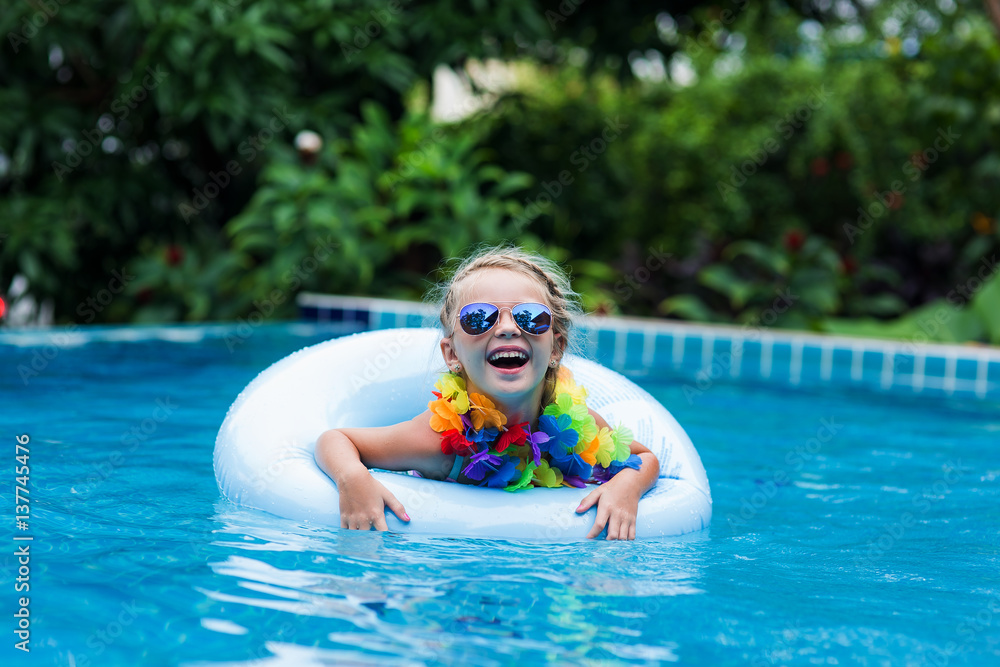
pixel 618 499
pixel 346 454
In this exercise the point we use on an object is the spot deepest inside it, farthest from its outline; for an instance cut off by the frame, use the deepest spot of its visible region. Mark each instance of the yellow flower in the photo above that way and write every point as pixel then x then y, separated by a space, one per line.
pixel 547 476
pixel 443 416
pixel 453 386
pixel 565 384
pixel 606 448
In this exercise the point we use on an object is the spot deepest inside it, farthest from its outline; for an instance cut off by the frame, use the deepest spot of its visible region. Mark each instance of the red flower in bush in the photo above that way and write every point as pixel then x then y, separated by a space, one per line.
pixel 895 201
pixel 848 265
pixel 843 160
pixel 819 166
pixel 794 238
pixel 174 255
pixel 144 296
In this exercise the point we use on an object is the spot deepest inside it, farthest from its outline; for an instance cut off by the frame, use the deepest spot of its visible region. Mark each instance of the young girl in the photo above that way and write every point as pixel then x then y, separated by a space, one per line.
pixel 507 415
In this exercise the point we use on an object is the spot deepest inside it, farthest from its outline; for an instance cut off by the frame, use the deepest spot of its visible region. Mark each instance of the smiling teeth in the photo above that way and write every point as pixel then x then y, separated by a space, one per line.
pixel 507 355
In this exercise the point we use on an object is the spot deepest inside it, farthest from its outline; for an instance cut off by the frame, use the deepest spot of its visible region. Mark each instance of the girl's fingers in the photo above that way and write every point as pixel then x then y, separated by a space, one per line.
pixel 397 507
pixel 602 519
pixel 613 527
pixel 589 501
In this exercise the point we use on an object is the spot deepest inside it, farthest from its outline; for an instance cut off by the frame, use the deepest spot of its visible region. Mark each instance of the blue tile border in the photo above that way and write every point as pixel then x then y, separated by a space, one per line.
pixel 693 351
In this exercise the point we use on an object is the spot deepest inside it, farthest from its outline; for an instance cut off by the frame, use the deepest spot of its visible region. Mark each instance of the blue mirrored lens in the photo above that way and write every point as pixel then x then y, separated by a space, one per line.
pixel 533 318
pixel 478 318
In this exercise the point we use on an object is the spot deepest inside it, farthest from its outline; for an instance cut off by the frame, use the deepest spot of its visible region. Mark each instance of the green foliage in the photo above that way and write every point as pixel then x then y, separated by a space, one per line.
pixel 964 315
pixel 797 285
pixel 718 169
pixel 157 139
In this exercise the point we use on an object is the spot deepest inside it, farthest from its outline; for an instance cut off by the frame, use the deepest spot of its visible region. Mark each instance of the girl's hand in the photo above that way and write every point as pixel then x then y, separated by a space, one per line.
pixel 617 506
pixel 363 500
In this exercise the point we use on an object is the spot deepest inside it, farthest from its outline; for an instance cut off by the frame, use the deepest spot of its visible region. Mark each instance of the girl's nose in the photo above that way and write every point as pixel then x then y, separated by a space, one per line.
pixel 505 324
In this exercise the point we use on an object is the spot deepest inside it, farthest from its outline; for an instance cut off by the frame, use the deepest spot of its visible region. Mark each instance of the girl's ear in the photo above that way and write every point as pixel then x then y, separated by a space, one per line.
pixel 560 345
pixel 448 352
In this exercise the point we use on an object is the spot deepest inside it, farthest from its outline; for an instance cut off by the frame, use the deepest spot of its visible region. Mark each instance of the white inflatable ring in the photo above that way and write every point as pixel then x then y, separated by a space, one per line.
pixel 264 449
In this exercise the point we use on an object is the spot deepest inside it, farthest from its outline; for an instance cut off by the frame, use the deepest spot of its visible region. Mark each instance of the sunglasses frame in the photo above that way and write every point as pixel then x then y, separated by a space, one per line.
pixel 500 311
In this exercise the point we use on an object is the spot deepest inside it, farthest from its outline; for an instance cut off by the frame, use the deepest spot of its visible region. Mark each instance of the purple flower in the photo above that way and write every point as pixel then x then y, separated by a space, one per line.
pixel 536 440
pixel 482 463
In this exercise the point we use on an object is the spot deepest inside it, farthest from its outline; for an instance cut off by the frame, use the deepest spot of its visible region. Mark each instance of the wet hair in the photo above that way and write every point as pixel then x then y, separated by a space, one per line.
pixel 562 300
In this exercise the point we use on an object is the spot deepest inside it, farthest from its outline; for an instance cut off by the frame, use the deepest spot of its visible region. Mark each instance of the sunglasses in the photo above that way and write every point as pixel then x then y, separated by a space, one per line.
pixel 531 318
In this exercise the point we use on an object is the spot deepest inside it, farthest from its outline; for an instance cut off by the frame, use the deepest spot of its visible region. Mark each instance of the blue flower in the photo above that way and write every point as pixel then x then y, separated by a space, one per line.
pixel 503 476
pixel 602 474
pixel 573 465
pixel 486 435
pixel 562 437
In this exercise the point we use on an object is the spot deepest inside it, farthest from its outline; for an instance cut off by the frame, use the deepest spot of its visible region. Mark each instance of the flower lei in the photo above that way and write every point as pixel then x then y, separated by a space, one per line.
pixel 566 450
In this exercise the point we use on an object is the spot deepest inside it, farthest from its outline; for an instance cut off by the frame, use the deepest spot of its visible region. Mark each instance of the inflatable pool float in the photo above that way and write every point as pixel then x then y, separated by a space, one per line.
pixel 264 449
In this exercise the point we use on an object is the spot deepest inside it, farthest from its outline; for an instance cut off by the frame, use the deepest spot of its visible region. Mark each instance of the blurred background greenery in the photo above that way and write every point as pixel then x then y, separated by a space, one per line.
pixel 185 161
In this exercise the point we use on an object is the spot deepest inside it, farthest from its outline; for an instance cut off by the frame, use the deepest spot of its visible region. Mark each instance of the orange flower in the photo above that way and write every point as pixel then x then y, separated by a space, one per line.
pixel 590 453
pixel 484 411
pixel 443 416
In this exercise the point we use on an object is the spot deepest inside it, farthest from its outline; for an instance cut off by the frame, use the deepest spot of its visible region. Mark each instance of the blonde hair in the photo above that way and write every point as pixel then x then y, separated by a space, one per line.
pixel 563 301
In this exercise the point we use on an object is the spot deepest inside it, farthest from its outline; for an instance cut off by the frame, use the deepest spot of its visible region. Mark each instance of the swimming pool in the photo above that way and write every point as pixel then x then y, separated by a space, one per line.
pixel 850 526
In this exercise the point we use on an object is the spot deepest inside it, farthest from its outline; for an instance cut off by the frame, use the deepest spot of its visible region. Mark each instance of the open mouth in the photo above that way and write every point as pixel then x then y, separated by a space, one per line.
pixel 508 359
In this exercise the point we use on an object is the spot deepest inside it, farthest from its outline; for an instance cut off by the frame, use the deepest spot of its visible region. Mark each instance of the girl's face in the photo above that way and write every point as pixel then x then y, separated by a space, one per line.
pixel 486 373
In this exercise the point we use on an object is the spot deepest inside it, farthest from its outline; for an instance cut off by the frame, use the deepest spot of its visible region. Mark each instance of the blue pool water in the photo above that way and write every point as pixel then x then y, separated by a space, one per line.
pixel 849 528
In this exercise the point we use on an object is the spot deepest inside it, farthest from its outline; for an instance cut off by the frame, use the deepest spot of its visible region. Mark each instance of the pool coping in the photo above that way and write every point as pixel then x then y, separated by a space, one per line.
pixel 705 353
